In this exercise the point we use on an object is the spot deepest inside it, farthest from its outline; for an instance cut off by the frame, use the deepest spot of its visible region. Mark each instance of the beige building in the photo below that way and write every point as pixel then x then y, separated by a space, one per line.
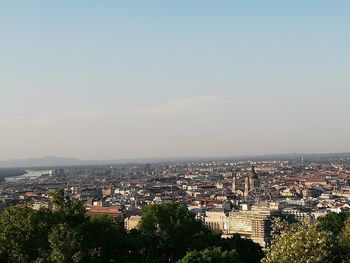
pixel 216 219
pixel 343 193
pixel 39 205
pixel 254 222
pixel 132 222
pixel 99 210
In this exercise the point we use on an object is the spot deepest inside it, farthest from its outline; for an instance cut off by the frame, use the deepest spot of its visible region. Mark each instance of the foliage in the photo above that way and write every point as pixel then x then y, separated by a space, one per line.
pixel 327 241
pixel 23 235
pixel 103 240
pixel 333 222
pixel 345 235
pixel 344 243
pixel 301 243
pixel 63 235
pixel 65 244
pixel 211 255
pixel 170 230
pixel 167 233
pixel 58 199
pixel 278 226
pixel 66 234
pixel 249 251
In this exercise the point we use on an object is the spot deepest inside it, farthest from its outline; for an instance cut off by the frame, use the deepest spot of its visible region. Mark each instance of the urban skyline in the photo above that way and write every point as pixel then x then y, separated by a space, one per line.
pixel 175 131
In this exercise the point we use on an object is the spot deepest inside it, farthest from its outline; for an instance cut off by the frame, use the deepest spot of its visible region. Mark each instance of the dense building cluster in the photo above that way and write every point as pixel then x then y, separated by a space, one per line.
pixel 234 197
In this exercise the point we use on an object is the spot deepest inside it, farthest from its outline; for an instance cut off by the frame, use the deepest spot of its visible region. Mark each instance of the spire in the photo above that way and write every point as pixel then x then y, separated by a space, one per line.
pixel 254 179
pixel 246 185
pixel 234 183
pixel 253 173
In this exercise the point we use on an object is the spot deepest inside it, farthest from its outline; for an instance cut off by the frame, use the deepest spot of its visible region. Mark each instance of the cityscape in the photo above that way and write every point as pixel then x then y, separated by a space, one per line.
pixel 189 131
pixel 231 196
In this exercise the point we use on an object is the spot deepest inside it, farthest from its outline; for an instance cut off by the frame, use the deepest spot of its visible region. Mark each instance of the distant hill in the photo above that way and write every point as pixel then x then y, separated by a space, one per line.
pixel 53 161
pixel 47 161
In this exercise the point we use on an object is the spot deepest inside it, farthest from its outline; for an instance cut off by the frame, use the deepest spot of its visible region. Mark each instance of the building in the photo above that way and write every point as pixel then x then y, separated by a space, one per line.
pixel 216 219
pixel 87 193
pixel 100 210
pixel 294 214
pixel 253 222
pixel 132 222
pixel 254 179
pixel 246 185
pixel 251 181
pixel 234 183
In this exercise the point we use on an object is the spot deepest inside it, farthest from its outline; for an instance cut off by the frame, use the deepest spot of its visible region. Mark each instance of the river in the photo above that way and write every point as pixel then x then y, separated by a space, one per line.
pixel 31 174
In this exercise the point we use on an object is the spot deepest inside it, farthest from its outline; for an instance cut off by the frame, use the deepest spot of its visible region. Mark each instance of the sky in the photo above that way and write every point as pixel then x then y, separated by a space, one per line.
pixel 138 79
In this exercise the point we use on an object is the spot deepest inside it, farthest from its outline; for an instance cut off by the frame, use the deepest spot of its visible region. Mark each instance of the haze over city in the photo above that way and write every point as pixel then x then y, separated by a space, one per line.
pixel 167 79
pixel 190 131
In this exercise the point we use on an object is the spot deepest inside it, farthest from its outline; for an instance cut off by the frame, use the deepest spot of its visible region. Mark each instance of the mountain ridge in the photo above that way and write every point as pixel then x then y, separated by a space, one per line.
pixel 55 161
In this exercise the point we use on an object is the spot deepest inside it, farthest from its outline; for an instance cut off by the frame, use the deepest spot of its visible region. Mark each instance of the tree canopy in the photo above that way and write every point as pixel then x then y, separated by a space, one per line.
pixel 301 243
pixel 211 255
pixel 174 230
pixel 166 233
pixel 333 222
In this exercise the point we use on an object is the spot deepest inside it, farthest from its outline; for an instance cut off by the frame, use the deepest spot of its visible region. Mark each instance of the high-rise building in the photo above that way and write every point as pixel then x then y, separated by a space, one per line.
pixel 254 222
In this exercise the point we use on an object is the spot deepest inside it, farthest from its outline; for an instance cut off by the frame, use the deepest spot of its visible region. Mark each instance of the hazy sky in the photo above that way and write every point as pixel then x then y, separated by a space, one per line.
pixel 132 79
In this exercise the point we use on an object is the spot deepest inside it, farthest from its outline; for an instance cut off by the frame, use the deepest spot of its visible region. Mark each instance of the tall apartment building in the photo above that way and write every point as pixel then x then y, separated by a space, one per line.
pixel 254 222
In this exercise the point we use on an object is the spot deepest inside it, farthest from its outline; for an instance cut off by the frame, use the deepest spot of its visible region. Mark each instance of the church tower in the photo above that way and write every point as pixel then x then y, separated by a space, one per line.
pixel 234 182
pixel 254 179
pixel 246 185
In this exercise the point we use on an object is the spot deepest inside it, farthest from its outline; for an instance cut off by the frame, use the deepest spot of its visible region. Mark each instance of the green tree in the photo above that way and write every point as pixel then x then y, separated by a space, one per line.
pixel 166 233
pixel 300 243
pixel 345 235
pixel 278 225
pixel 333 222
pixel 104 240
pixel 71 211
pixel 210 256
pixel 65 235
pixel 57 199
pixel 65 243
pixel 24 233
pixel 249 251
pixel 343 252
pixel 169 230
